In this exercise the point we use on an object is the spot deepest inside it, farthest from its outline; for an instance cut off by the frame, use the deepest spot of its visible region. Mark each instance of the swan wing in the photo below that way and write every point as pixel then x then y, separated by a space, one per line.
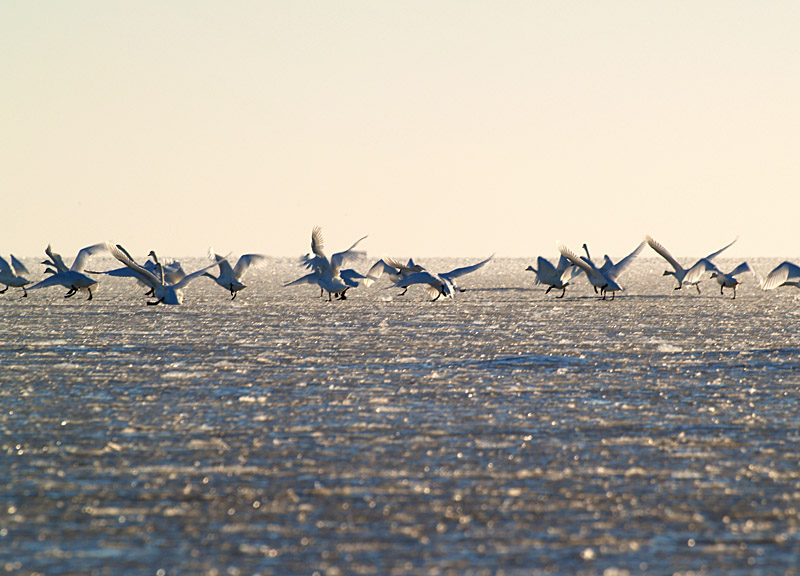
pixel 695 273
pixel 614 270
pixel 4 267
pixel 56 258
pixel 318 243
pixel 423 277
pixel 311 278
pixel 721 250
pixel 52 280
pixel 83 256
pixel 578 261
pixel 663 252
pixel 547 273
pixel 246 261
pixel 183 282
pixel 19 267
pixel 782 273
pixel 741 268
pixel 122 255
pixel 466 269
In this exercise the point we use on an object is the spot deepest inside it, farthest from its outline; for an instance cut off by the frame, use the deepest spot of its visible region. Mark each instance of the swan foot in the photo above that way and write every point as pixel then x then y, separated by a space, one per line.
pixel 403 293
pixel 155 303
pixel 90 294
pixel 4 291
pixel 563 291
pixel 151 292
pixel 70 293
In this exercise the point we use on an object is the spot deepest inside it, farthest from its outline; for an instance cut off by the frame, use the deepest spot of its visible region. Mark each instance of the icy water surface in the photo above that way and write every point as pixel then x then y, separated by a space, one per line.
pixel 504 432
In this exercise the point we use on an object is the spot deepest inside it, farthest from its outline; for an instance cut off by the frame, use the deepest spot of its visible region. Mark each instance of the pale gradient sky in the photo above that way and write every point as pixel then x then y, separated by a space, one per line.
pixel 444 128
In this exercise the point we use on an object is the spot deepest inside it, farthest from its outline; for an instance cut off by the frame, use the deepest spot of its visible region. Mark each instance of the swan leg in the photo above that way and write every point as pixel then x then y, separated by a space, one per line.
pixel 343 295
pixel 90 294
pixel 734 293
pixel 548 290
pixel 563 291
pixel 403 293
pixel 151 292
pixel 721 288
pixel 698 287
pixel 613 295
pixel 155 303
pixel 24 292
pixel 71 292
pixel 233 292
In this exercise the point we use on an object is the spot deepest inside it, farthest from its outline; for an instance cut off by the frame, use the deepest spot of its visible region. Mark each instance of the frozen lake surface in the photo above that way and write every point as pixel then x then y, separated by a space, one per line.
pixel 503 432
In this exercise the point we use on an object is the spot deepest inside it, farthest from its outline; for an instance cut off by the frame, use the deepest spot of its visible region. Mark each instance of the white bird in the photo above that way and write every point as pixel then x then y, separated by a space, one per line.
pixel 557 276
pixel 394 269
pixel 164 291
pixel 784 274
pixel 72 277
pixel 172 269
pixel 599 280
pixel 327 272
pixel 729 280
pixel 12 275
pixel 689 276
pixel 443 284
pixel 231 278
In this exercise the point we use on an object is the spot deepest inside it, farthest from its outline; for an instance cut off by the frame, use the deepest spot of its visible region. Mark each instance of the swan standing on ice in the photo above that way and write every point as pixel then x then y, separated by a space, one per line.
pixel 557 277
pixel 689 276
pixel 231 278
pixel 443 284
pixel 327 272
pixel 13 275
pixel 729 280
pixel 72 277
pixel 164 291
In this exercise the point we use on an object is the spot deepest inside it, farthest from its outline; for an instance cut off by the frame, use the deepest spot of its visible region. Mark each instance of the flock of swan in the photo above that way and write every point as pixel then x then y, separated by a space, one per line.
pixel 167 280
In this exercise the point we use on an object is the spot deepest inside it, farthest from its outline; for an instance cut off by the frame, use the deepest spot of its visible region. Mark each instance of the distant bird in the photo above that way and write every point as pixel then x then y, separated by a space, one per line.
pixel 163 291
pixel 327 272
pixel 729 280
pixel 438 285
pixel 12 276
pixel 231 278
pixel 784 274
pixel 686 276
pixel 602 282
pixel 557 276
pixel 72 277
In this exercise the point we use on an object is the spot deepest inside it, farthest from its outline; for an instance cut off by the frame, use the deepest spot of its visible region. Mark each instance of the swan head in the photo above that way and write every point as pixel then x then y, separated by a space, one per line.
pixel 530 268
pixel 668 273
pixel 714 274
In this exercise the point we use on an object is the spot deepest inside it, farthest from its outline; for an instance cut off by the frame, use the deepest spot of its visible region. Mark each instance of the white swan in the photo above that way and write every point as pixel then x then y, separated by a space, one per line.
pixel 599 280
pixel 689 276
pixel 72 277
pixel 784 274
pixel 729 280
pixel 231 278
pixel 443 284
pixel 172 270
pixel 394 269
pixel 557 276
pixel 12 275
pixel 327 272
pixel 164 291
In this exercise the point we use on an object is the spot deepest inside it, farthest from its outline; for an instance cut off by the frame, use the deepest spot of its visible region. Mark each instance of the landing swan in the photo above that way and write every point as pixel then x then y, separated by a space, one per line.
pixel 164 291
pixel 689 276
pixel 599 280
pixel 231 278
pixel 12 276
pixel 443 284
pixel 784 274
pixel 729 280
pixel 557 276
pixel 72 277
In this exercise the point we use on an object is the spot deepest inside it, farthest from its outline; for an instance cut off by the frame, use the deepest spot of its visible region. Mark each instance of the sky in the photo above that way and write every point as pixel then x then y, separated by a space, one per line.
pixel 437 128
